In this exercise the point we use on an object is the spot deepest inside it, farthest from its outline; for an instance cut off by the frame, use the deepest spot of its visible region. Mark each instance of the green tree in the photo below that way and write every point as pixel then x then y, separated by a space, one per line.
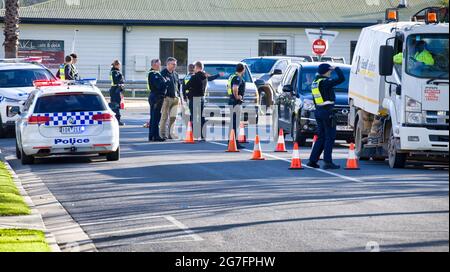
pixel 11 28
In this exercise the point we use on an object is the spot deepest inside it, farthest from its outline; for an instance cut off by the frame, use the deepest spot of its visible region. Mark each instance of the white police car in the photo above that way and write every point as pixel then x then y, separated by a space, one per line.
pixel 66 119
pixel 16 83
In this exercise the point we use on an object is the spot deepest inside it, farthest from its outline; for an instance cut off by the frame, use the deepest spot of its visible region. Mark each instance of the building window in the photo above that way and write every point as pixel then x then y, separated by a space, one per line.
pixel 272 48
pixel 352 49
pixel 174 48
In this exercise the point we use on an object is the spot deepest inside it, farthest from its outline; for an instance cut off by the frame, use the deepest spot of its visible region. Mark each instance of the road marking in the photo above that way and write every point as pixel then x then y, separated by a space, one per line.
pixel 184 228
pixel 174 224
pixel 315 169
pixel 112 233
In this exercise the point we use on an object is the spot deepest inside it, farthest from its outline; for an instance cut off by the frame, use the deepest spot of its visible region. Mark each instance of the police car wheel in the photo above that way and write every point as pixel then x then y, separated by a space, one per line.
pixel 25 159
pixel 18 153
pixel 114 156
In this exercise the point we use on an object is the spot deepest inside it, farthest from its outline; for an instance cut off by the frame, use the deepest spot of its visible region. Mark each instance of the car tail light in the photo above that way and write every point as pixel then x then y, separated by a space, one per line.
pixel 46 83
pixel 103 117
pixel 38 120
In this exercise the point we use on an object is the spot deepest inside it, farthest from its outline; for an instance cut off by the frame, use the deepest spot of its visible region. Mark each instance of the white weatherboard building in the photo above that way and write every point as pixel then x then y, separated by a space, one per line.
pixel 136 31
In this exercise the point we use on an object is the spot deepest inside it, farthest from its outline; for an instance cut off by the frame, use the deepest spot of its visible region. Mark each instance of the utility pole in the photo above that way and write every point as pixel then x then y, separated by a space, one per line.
pixel 11 31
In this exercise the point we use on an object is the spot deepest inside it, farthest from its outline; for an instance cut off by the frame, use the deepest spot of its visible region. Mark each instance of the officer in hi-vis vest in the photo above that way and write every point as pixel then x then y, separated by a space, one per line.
pixel 236 91
pixel 65 71
pixel 324 99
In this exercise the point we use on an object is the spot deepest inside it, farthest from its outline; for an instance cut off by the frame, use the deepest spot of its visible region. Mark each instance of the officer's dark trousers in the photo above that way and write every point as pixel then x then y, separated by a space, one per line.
pixel 114 93
pixel 326 129
pixel 155 116
pixel 235 113
pixel 196 107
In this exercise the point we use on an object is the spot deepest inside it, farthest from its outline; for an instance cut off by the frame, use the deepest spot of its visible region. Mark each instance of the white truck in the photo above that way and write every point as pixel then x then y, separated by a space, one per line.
pixel 399 90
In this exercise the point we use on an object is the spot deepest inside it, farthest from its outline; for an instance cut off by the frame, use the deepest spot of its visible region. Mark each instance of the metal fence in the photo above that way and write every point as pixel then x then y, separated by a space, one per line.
pixel 133 89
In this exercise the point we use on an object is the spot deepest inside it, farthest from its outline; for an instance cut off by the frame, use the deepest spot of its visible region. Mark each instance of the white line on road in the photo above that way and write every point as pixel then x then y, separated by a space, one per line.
pixel 286 160
pixel 184 228
pixel 110 233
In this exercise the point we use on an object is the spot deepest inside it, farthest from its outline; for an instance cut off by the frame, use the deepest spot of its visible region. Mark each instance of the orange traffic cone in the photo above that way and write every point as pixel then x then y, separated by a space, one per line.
pixel 257 152
pixel 242 138
pixel 296 161
pixel 352 162
pixel 281 146
pixel 189 135
pixel 232 148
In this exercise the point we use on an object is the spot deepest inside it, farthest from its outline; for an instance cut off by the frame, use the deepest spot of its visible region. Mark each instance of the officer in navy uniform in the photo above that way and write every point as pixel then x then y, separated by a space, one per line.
pixel 76 75
pixel 65 71
pixel 324 99
pixel 236 91
pixel 157 85
pixel 117 87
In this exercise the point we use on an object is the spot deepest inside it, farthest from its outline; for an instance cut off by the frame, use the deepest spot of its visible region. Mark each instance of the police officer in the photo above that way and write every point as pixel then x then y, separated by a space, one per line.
pixel 324 99
pixel 65 71
pixel 196 89
pixel 157 87
pixel 236 91
pixel 76 75
pixel 187 78
pixel 117 85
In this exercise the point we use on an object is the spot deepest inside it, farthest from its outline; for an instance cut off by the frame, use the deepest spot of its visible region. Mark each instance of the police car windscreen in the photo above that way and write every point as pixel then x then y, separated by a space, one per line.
pixel 22 78
pixel 69 103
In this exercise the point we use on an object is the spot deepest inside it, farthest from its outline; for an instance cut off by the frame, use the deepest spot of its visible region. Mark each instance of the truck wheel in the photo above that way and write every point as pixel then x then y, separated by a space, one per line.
pixel 114 156
pixel 18 154
pixel 25 159
pixel 396 160
pixel 359 146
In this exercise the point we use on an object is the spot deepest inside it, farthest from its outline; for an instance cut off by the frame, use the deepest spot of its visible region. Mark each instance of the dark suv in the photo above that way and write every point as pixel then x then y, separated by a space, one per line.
pixel 296 106
pixel 267 74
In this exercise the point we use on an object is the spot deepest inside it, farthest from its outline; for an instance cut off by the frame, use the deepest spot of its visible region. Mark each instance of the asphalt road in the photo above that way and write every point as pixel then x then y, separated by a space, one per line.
pixel 177 197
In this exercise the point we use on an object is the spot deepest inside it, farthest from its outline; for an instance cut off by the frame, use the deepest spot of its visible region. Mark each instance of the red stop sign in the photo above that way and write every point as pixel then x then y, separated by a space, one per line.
pixel 319 47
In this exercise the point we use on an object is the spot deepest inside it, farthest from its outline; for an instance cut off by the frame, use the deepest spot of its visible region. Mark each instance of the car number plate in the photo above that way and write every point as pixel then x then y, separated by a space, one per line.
pixel 72 130
pixel 343 128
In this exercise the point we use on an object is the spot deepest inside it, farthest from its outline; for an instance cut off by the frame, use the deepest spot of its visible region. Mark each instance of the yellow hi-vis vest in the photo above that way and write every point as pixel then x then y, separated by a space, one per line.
pixel 62 72
pixel 230 81
pixel 148 82
pixel 112 79
pixel 318 99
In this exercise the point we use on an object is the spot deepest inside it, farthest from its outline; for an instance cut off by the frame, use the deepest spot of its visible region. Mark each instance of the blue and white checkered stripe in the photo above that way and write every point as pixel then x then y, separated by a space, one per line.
pixel 71 118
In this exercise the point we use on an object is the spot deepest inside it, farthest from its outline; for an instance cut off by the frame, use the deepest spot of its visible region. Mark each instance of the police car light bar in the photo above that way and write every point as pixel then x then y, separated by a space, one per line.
pixel 87 81
pixel 22 60
pixel 46 83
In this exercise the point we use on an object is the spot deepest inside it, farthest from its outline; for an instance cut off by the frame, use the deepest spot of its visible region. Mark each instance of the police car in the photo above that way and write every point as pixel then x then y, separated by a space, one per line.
pixel 66 118
pixel 16 83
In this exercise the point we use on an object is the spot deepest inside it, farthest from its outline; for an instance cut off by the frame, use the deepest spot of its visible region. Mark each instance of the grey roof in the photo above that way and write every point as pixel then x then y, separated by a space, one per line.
pixel 218 12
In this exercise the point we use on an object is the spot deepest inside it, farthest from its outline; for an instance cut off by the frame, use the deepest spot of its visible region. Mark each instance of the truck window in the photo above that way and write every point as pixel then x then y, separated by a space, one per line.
pixel 427 56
